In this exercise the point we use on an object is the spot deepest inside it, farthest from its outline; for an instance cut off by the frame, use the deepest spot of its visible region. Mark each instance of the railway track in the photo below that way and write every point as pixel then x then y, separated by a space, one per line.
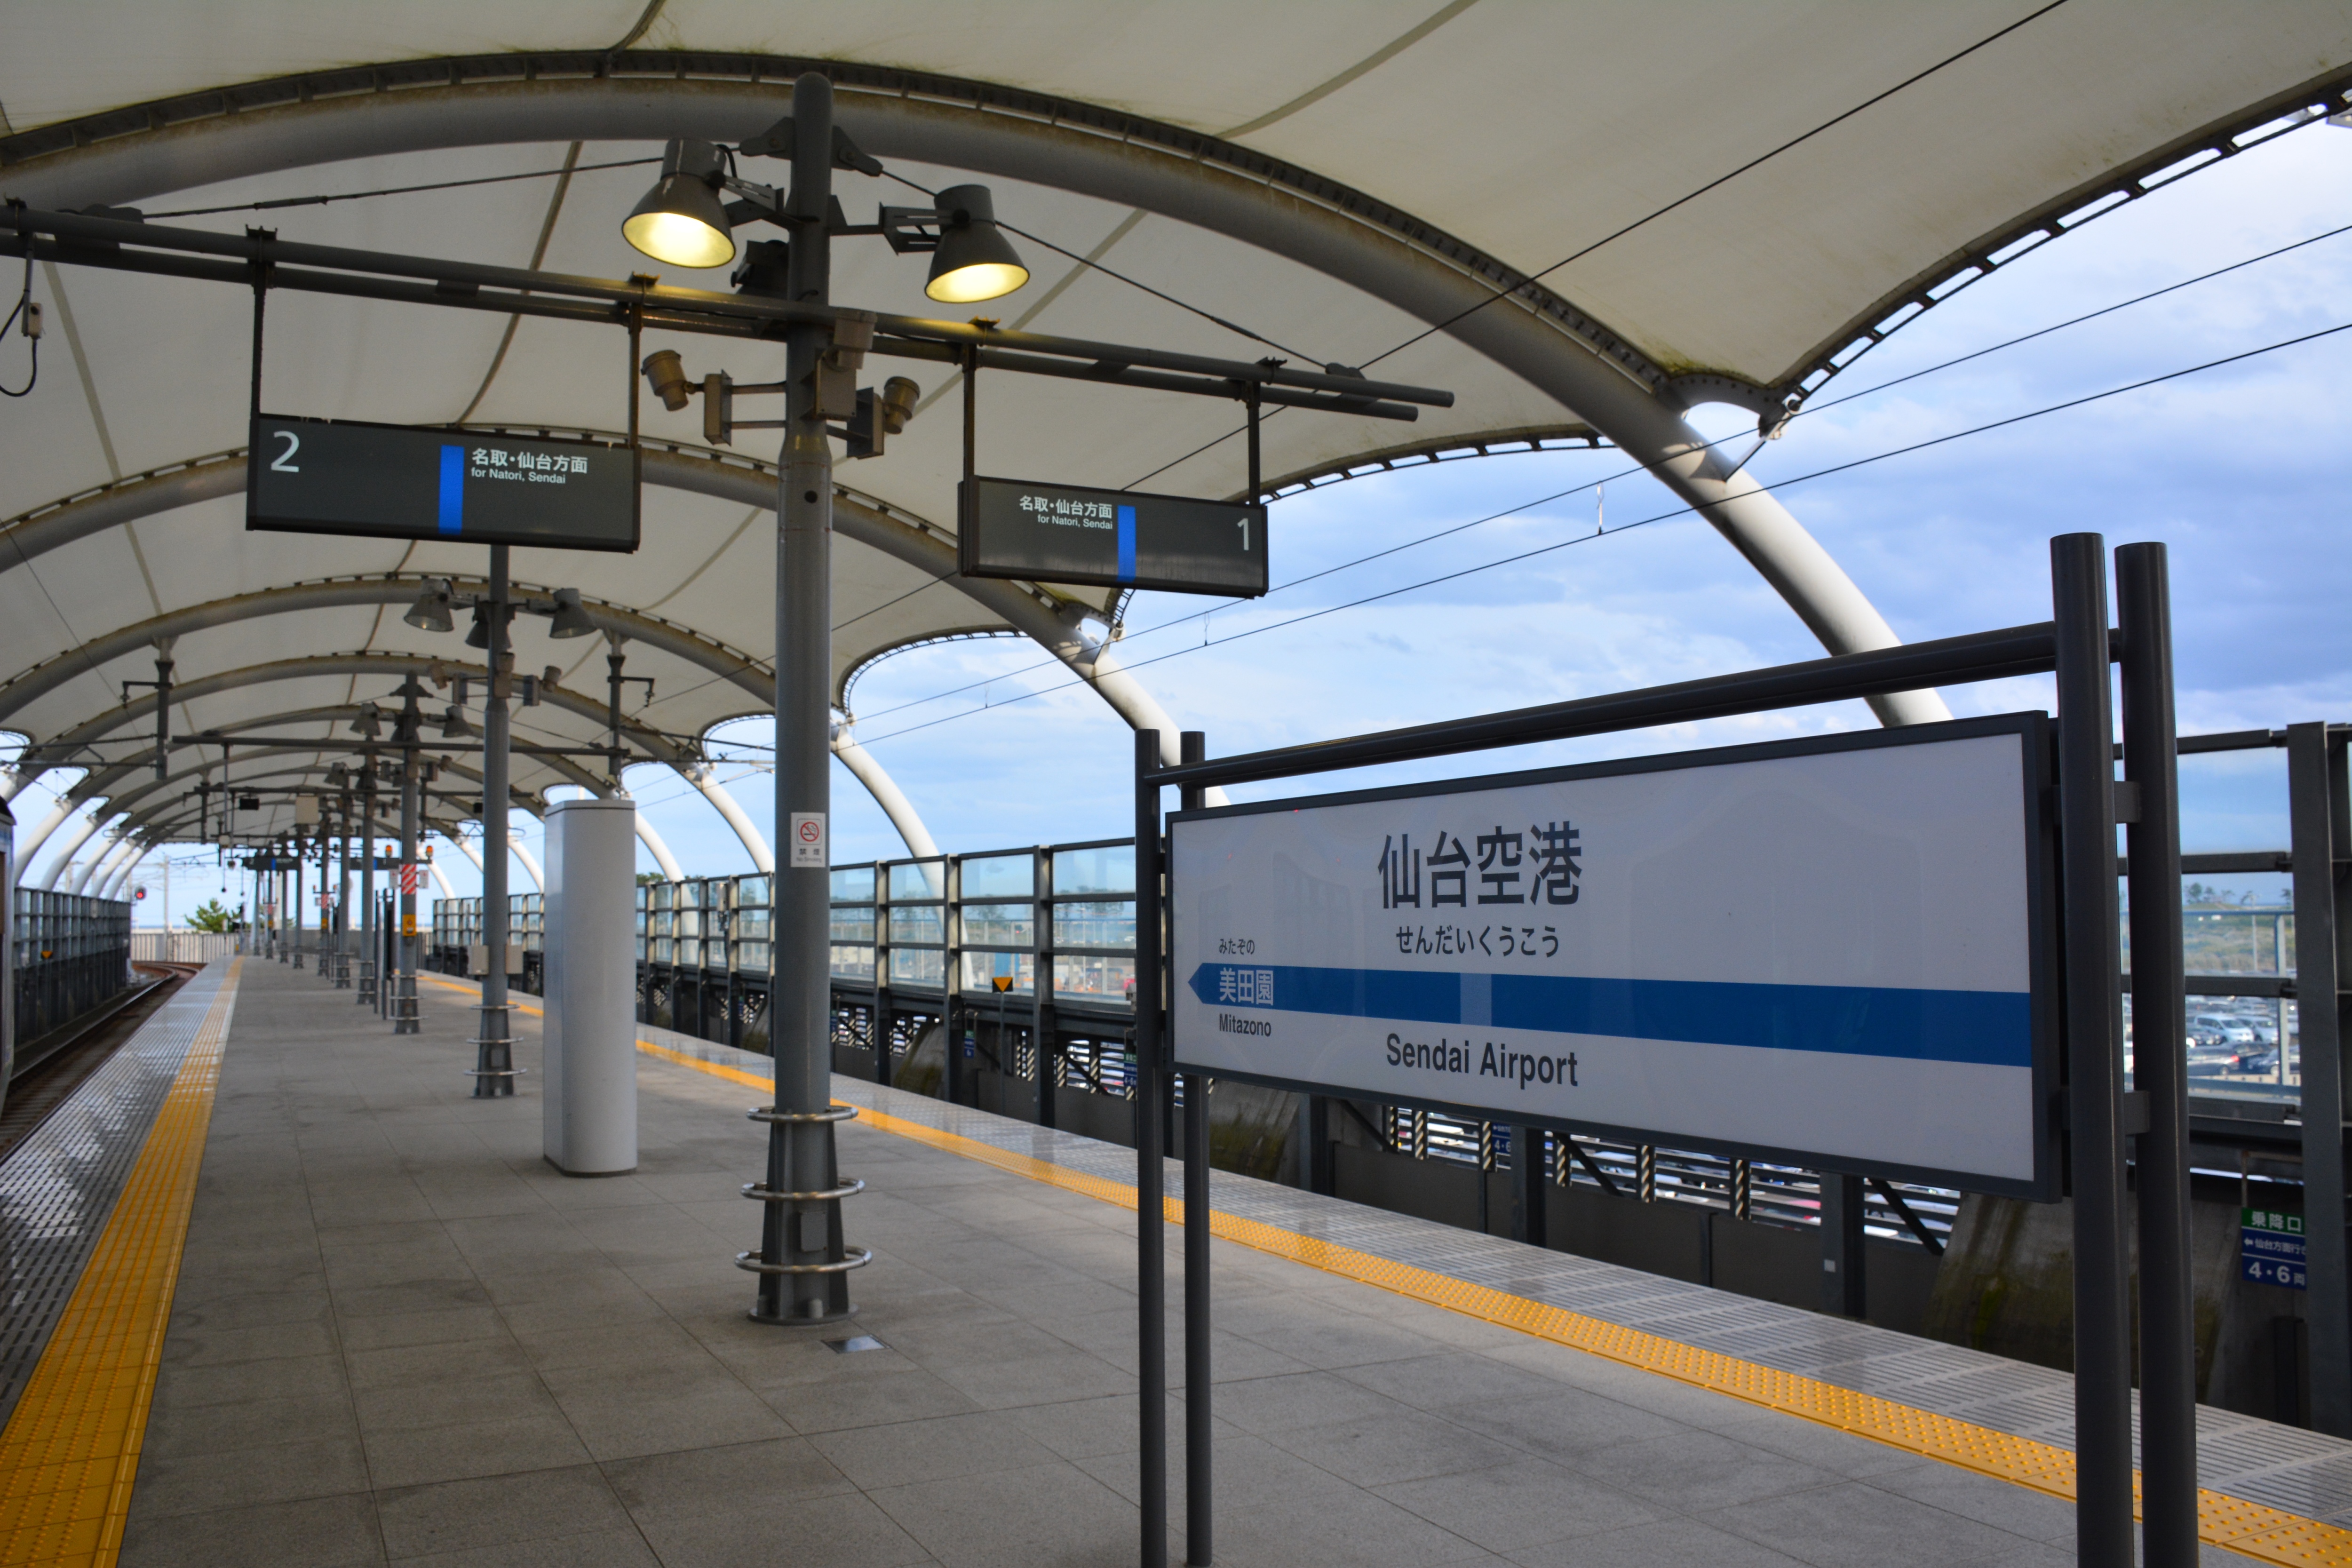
pixel 56 1065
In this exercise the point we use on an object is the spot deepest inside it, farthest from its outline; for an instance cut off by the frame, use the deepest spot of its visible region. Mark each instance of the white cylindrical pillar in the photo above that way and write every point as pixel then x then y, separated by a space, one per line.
pixel 590 1072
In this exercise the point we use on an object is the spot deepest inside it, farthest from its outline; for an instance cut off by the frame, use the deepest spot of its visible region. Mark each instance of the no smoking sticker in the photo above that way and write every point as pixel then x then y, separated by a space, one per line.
pixel 808 840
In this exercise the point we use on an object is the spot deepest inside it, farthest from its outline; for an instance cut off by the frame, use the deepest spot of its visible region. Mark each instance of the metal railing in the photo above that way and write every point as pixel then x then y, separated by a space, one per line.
pixel 158 946
pixel 71 954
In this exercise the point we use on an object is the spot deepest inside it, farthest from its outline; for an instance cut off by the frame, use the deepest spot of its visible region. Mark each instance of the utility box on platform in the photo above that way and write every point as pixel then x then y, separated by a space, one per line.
pixel 591 1069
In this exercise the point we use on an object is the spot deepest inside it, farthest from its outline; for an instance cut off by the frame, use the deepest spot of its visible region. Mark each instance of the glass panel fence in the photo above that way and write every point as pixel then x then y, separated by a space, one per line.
pixel 981 970
pixel 999 876
pixel 1094 977
pixel 999 925
pixel 918 880
pixel 1094 925
pixel 923 923
pixel 923 967
pixel 1107 868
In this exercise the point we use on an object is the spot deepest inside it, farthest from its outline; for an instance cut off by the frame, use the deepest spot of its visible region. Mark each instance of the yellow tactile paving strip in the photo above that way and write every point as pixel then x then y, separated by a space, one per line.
pixel 2267 1535
pixel 71 1447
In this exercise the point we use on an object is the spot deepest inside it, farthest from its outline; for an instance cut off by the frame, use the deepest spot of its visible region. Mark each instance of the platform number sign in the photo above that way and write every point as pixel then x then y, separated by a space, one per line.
pixel 2271 1248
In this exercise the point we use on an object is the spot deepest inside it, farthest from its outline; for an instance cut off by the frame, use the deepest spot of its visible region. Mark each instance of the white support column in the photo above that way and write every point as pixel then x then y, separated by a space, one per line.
pixel 468 850
pixel 99 866
pixel 91 825
pixel 886 793
pixel 514 842
pixel 63 808
pixel 658 849
pixel 1101 669
pixel 117 885
pixel 537 877
pixel 703 779
pixel 17 781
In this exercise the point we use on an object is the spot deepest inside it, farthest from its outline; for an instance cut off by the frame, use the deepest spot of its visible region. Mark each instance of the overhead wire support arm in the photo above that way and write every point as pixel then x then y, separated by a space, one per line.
pixel 126 244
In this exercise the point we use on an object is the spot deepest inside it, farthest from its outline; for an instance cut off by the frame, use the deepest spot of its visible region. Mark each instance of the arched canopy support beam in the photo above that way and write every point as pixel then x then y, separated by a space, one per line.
pixel 886 793
pixel 1052 622
pixel 1195 179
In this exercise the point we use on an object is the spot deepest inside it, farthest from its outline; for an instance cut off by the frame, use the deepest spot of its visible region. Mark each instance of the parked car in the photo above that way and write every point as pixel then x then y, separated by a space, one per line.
pixel 2227 1031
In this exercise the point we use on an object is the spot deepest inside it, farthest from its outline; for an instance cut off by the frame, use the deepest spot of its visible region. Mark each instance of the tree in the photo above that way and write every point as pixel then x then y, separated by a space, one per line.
pixel 213 917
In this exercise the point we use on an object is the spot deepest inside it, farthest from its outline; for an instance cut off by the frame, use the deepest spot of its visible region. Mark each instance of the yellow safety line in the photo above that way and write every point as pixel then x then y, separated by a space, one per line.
pixel 71 1447
pixel 2269 1535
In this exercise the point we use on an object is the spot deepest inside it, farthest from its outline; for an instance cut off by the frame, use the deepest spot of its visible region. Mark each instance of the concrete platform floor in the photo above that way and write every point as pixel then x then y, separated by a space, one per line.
pixel 400 1336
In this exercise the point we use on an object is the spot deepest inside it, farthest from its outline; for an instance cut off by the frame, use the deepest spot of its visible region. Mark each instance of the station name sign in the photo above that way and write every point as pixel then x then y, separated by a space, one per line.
pixel 1836 954
pixel 1117 539
pixel 397 481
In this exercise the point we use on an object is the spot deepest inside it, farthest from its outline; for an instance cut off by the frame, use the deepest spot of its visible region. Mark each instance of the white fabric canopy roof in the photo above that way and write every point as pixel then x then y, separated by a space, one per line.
pixel 1336 177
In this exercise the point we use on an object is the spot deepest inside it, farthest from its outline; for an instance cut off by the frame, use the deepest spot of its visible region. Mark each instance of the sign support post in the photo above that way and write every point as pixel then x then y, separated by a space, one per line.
pixel 493 1068
pixel 1199 1513
pixel 2167 1348
pixel 370 975
pixel 2094 1032
pixel 1150 1167
pixel 403 1000
pixel 803 1262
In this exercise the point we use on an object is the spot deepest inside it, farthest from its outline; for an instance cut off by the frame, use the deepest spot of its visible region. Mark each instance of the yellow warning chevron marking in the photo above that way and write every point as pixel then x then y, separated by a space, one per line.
pixel 71 1447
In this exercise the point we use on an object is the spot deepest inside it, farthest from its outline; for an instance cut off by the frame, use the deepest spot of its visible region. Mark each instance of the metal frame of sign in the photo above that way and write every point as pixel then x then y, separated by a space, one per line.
pixel 428 533
pixel 967 542
pixel 2034 733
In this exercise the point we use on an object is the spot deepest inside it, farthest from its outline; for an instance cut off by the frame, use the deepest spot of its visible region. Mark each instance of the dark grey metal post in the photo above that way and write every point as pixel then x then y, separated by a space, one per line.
pixel 1528 1185
pixel 1845 1273
pixel 2094 1026
pixel 1151 1172
pixel 370 975
pixel 803 1262
pixel 493 1039
pixel 326 845
pixel 1199 1507
pixel 2167 1348
pixel 2315 803
pixel 404 999
pixel 299 869
pixel 343 891
pixel 1041 982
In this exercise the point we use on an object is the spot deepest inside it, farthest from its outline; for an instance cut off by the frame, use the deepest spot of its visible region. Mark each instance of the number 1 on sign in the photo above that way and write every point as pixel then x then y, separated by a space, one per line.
pixel 1243 524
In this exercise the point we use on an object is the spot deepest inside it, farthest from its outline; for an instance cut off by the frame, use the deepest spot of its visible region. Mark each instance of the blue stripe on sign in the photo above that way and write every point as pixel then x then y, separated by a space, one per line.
pixel 1127 544
pixel 453 489
pixel 1993 1029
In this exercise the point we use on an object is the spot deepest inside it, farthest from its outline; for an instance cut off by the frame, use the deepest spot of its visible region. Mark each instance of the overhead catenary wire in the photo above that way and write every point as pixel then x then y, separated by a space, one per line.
pixel 1636 470
pixel 1088 262
pixel 1671 514
pixel 324 200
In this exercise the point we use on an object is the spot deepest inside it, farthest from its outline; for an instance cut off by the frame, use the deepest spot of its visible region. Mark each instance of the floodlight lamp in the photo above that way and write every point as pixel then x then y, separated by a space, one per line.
pixel 454 726
pixel 665 373
pixel 368 724
pixel 974 261
pixel 681 220
pixel 571 620
pixel 431 611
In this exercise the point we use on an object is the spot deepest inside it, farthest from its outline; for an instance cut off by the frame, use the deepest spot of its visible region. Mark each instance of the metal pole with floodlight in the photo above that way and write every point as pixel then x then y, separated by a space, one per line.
pixel 802 1259
pixel 412 734
pixel 368 725
pixel 494 1070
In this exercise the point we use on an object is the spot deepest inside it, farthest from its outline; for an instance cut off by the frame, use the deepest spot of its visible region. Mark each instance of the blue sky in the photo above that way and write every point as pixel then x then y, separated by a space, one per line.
pixel 2238 471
